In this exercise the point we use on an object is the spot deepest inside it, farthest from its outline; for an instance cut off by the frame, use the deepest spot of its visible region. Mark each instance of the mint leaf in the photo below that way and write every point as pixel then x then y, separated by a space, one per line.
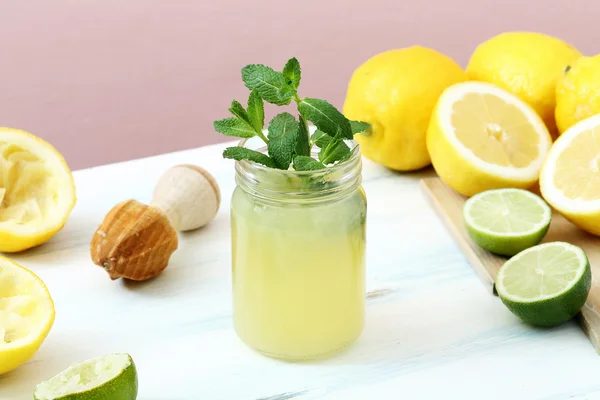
pixel 242 153
pixel 305 163
pixel 302 146
pixel 234 127
pixel 346 156
pixel 270 84
pixel 321 139
pixel 335 149
pixel 283 136
pixel 360 127
pixel 325 116
pixel 291 72
pixel 256 111
pixel 238 110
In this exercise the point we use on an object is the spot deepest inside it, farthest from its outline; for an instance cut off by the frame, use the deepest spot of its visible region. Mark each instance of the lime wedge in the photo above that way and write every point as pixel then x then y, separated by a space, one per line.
pixel 506 221
pixel 112 377
pixel 547 284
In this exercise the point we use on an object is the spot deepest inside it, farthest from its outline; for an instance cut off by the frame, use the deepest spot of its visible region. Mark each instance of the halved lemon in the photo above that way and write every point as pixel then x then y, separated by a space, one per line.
pixel 26 314
pixel 37 191
pixel 570 176
pixel 482 137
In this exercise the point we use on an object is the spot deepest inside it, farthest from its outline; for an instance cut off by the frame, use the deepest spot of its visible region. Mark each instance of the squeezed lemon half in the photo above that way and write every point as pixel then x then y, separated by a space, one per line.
pixel 37 191
pixel 483 137
pixel 26 314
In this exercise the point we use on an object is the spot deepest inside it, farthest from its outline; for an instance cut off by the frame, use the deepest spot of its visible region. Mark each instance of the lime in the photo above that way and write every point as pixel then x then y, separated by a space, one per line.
pixel 506 221
pixel 112 377
pixel 547 284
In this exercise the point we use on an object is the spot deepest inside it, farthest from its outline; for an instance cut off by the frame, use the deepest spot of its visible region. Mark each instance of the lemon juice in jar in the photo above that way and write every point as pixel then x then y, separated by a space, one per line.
pixel 298 253
pixel 298 220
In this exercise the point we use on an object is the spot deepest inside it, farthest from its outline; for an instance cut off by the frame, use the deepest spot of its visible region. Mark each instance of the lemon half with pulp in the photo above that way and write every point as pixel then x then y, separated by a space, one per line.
pixel 26 314
pixel 570 176
pixel 527 64
pixel 37 191
pixel 483 137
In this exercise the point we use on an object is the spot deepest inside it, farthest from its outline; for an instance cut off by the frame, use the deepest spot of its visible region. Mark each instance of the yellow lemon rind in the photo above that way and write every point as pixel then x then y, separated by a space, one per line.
pixel 17 353
pixel 395 91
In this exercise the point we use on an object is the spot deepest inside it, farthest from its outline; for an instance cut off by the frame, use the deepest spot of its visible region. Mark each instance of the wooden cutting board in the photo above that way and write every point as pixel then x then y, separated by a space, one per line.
pixel 449 204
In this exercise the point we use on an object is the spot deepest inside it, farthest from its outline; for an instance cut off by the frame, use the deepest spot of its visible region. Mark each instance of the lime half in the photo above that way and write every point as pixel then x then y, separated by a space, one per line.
pixel 112 377
pixel 506 221
pixel 547 284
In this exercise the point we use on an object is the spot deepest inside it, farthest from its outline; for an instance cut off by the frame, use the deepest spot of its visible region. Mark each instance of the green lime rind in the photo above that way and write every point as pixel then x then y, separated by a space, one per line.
pixel 518 237
pixel 549 309
pixel 506 245
pixel 124 386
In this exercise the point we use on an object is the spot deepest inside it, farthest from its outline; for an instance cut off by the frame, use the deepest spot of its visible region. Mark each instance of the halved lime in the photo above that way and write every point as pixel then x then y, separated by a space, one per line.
pixel 506 221
pixel 112 377
pixel 547 284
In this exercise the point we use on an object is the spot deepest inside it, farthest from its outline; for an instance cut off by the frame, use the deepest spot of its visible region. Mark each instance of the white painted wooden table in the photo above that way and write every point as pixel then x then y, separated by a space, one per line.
pixel 432 331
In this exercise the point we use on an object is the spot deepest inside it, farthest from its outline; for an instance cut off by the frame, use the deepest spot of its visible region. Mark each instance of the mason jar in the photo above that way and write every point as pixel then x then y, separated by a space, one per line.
pixel 298 255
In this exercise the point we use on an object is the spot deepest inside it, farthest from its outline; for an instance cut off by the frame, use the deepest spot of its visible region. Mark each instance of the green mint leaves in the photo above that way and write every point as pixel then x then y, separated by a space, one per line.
pixel 325 117
pixel 291 72
pixel 360 127
pixel 238 110
pixel 283 136
pixel 256 111
pixel 234 127
pixel 332 148
pixel 288 140
pixel 245 123
pixel 242 153
pixel 303 145
pixel 270 84
pixel 305 163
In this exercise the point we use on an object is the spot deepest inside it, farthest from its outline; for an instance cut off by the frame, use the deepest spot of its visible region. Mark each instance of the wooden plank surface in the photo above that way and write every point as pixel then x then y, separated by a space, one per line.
pixel 449 204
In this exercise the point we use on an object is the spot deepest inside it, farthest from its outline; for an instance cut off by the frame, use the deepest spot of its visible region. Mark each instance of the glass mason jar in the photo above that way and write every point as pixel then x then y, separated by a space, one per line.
pixel 298 255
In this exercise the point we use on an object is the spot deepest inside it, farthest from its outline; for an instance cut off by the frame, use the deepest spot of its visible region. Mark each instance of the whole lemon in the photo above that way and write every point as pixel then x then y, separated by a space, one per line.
pixel 578 92
pixel 396 91
pixel 527 64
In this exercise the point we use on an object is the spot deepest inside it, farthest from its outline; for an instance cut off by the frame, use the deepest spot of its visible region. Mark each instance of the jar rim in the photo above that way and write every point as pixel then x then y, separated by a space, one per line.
pixel 263 168
pixel 273 183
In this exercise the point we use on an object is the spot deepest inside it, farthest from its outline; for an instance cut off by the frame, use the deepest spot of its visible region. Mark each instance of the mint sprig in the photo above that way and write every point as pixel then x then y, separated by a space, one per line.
pixel 288 140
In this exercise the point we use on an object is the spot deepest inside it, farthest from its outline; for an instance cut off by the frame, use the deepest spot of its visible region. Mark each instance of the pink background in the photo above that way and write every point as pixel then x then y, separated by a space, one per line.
pixel 112 80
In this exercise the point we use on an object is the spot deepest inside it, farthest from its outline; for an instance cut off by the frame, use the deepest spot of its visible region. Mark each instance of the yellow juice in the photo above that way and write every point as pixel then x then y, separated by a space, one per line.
pixel 298 274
